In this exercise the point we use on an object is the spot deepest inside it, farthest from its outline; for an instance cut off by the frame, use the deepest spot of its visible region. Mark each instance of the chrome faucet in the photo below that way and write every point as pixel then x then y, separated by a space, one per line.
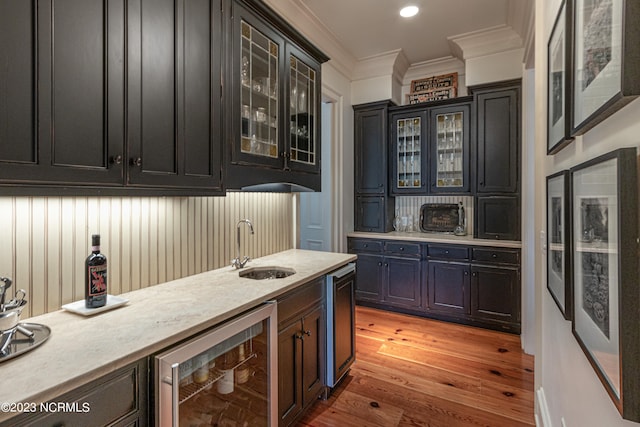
pixel 236 262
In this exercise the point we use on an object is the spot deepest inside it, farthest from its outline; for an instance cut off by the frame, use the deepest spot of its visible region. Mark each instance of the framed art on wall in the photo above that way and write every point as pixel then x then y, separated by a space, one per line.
pixel 606 60
pixel 559 242
pixel 558 81
pixel 606 300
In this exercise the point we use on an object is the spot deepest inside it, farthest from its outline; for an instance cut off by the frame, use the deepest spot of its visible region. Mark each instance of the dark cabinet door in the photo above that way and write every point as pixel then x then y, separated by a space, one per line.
pixel 448 288
pixel 62 96
pixel 174 56
pixel 290 372
pixel 403 282
pixel 498 217
pixel 498 140
pixel 450 156
pixel 344 346
pixel 313 355
pixel 495 293
pixel 373 214
pixel 408 170
pixel 371 151
pixel 369 277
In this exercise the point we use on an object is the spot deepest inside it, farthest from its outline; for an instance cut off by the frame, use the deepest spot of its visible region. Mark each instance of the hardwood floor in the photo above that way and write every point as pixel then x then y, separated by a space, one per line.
pixel 411 371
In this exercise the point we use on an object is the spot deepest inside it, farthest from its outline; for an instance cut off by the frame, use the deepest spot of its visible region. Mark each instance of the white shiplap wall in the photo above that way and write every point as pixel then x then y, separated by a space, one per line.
pixel 147 240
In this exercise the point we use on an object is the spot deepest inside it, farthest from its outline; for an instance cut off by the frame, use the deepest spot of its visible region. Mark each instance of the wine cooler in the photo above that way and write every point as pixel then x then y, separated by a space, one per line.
pixel 224 377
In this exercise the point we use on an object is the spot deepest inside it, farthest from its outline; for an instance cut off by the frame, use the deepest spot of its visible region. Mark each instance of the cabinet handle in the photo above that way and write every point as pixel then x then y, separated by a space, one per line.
pixel 466 273
pixel 494 256
pixel 299 336
pixel 366 245
pixel 474 274
pixel 446 252
pixel 307 333
pixel 116 160
pixel 401 248
pixel 380 264
pixel 136 162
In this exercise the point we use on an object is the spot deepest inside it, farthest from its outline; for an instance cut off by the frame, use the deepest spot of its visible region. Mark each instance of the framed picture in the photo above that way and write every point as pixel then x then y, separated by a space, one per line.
pixel 558 81
pixel 606 61
pixel 606 301
pixel 559 242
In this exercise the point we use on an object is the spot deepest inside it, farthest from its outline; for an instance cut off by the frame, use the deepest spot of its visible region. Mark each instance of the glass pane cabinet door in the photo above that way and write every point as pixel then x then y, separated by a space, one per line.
pixel 409 174
pixel 303 112
pixel 449 141
pixel 259 93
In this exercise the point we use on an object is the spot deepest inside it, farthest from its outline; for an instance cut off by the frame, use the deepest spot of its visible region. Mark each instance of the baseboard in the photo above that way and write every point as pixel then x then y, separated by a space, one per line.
pixel 543 419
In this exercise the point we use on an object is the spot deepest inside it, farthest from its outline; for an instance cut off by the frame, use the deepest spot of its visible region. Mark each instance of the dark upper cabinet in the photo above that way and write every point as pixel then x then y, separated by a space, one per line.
pixel 373 205
pixel 112 94
pixel 371 148
pixel 450 145
pixel 498 139
pixel 274 101
pixel 431 148
pixel 174 57
pixel 408 164
pixel 62 92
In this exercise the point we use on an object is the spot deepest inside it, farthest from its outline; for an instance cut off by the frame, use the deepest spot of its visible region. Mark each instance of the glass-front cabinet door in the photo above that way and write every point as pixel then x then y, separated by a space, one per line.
pixel 450 149
pixel 259 96
pixel 408 165
pixel 303 107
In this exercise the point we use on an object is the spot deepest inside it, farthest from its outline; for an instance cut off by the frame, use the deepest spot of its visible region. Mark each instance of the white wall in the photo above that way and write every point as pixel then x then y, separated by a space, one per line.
pixel 572 390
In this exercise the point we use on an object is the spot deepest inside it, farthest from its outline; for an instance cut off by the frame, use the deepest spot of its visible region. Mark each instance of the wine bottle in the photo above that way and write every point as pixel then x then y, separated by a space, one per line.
pixel 95 289
pixel 242 373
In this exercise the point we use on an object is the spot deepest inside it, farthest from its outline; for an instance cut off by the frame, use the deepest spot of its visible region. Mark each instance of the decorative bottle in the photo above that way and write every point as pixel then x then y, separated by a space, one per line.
pixel 95 290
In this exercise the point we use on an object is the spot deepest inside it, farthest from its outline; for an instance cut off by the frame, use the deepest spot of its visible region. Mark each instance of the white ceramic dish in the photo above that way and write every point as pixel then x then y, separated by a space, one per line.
pixel 78 307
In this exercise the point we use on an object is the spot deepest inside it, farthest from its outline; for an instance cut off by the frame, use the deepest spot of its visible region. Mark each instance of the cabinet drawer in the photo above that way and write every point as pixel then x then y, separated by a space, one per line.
pixel 365 245
pixel 499 256
pixel 299 299
pixel 402 248
pixel 448 252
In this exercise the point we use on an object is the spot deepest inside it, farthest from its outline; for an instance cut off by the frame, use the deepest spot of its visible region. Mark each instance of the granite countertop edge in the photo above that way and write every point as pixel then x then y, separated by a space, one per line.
pixel 173 311
pixel 436 238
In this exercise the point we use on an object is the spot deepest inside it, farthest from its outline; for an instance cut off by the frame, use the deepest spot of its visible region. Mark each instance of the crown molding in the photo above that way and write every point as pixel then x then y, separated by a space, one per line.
pixel 485 42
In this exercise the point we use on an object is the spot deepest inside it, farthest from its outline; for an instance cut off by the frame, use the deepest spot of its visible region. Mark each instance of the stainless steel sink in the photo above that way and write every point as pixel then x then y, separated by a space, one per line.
pixel 269 272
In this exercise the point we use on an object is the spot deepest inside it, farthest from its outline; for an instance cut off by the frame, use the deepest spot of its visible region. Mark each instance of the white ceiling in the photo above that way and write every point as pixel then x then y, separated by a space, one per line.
pixel 366 28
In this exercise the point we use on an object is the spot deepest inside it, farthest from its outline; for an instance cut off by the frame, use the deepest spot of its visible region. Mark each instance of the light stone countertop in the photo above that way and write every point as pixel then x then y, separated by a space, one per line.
pixel 82 349
pixel 437 238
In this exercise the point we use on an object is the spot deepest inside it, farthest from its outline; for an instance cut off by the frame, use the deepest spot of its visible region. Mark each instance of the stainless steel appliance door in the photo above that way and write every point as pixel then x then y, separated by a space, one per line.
pixel 340 320
pixel 226 375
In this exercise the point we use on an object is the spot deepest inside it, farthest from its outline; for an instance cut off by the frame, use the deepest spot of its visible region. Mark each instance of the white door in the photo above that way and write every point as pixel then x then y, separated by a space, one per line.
pixel 316 208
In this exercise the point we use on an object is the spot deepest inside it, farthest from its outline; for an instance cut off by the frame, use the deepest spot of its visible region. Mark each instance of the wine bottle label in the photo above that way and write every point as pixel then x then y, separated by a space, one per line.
pixel 97 280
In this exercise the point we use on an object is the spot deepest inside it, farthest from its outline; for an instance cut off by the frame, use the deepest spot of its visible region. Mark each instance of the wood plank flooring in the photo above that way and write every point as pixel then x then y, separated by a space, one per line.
pixel 411 371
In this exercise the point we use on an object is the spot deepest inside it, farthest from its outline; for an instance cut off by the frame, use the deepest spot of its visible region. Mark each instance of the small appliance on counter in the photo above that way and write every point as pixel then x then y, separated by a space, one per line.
pixel 443 218
pixel 17 338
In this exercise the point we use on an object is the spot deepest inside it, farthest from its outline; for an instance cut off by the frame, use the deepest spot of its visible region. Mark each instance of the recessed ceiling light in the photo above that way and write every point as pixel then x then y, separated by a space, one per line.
pixel 409 11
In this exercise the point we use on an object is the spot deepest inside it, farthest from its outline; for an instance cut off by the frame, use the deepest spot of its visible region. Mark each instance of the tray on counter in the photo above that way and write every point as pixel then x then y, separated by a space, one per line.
pixel 78 307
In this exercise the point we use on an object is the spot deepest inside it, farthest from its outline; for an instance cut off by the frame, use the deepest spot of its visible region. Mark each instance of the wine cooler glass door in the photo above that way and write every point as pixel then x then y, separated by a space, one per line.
pixel 223 377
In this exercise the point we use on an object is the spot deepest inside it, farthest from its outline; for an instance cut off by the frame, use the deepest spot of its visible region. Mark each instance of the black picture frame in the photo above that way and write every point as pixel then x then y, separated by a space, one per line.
pixel 559 282
pixel 606 301
pixel 606 60
pixel 559 80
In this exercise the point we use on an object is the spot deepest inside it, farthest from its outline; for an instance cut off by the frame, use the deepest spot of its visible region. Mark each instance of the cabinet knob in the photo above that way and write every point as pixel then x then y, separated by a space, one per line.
pixel 474 274
pixel 366 245
pixel 401 248
pixel 299 336
pixel 136 162
pixel 116 159
pixel 446 252
pixel 494 256
pixel 466 273
pixel 307 333
pixel 379 264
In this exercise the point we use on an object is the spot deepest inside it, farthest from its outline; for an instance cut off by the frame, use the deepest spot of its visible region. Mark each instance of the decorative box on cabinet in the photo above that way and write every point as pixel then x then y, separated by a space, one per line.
pixel 301 351
pixel 274 108
pixel 374 208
